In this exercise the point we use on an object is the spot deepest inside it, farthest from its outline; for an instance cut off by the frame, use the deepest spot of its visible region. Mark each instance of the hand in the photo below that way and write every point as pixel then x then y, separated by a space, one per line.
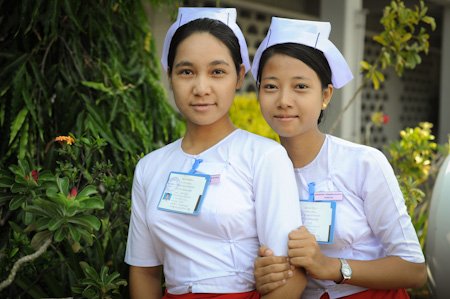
pixel 305 252
pixel 271 271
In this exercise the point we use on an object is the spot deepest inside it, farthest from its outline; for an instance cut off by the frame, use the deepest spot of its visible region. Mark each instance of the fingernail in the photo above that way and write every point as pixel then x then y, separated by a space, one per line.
pixel 290 273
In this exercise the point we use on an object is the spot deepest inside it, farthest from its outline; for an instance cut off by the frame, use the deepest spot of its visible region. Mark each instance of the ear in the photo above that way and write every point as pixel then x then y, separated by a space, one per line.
pixel 327 94
pixel 241 76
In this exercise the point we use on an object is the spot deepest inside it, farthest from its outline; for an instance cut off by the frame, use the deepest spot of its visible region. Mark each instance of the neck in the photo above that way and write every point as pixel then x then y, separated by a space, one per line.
pixel 304 148
pixel 199 138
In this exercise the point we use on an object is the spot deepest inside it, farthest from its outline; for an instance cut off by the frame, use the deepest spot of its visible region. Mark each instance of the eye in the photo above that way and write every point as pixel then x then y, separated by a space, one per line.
pixel 184 72
pixel 218 72
pixel 269 86
pixel 301 86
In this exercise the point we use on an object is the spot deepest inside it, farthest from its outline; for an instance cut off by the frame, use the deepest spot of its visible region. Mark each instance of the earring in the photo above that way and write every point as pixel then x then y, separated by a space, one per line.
pixel 324 106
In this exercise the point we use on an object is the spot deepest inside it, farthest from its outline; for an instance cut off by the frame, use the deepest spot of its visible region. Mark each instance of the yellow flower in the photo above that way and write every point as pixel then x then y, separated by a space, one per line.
pixel 65 139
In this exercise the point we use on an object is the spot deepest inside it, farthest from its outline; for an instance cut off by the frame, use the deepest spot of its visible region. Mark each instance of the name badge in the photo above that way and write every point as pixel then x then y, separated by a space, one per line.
pixel 184 193
pixel 328 195
pixel 319 216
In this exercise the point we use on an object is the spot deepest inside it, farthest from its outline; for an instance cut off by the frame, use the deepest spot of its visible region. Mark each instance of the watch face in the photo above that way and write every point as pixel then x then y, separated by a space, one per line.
pixel 346 271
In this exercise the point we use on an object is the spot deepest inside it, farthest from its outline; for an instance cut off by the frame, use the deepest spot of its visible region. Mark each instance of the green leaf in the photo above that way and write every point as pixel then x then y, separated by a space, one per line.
pixel 430 20
pixel 55 224
pixel 88 221
pixel 74 233
pixel 379 39
pixel 17 124
pixel 39 239
pixel 89 271
pixel 60 234
pixel 365 65
pixel 46 176
pixel 86 192
pixel 63 185
pixel 17 202
pixel 98 86
pixel 406 37
pixel 93 203
pixel 23 141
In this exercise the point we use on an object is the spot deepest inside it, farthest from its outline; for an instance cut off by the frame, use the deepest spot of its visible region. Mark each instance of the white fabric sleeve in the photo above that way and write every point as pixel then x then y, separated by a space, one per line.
pixel 276 200
pixel 386 210
pixel 140 250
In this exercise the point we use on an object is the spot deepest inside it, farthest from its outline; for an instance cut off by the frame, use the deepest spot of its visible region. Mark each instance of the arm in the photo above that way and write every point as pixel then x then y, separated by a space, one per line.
pixel 145 282
pixel 277 213
pixel 386 273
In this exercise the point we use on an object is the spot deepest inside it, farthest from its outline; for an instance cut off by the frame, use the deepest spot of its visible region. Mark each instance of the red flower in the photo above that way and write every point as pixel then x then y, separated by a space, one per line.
pixel 385 118
pixel 73 193
pixel 35 175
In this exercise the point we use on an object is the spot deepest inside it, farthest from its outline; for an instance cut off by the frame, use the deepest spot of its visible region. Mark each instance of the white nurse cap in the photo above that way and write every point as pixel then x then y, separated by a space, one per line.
pixel 225 15
pixel 309 33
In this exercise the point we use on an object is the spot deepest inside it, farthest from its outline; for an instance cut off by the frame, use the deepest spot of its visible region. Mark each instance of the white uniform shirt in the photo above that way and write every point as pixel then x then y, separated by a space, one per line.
pixel 255 202
pixel 371 221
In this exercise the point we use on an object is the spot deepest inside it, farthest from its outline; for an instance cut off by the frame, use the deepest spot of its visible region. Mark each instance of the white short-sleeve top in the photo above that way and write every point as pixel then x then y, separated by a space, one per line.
pixel 254 201
pixel 371 220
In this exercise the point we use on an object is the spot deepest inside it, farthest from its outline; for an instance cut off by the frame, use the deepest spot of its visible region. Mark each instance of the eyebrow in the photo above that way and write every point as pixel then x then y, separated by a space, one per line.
pixel 276 78
pixel 212 63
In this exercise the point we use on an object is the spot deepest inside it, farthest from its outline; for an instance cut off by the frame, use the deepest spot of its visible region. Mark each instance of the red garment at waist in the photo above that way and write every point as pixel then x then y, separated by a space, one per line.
pixel 375 294
pixel 246 295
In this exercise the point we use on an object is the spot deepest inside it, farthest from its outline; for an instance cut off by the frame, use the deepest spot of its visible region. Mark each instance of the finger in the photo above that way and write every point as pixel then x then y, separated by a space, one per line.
pixel 300 233
pixel 272 269
pixel 270 260
pixel 274 277
pixel 269 287
pixel 303 243
pixel 265 251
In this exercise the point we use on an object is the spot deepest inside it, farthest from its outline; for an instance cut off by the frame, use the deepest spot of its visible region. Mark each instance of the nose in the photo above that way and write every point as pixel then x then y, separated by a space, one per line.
pixel 201 86
pixel 283 100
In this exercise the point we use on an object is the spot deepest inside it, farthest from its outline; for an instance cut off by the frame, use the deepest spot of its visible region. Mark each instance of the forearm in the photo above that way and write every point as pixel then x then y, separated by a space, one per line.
pixel 145 282
pixel 292 289
pixel 385 273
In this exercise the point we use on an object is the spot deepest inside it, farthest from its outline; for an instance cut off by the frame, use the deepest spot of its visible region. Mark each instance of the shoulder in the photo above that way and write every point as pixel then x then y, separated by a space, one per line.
pixel 358 159
pixel 257 143
pixel 152 159
pixel 358 152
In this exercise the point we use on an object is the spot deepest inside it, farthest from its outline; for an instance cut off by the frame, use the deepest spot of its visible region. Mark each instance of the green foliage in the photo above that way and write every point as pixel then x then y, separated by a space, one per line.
pixel 70 66
pixel 402 41
pixel 416 159
pixel 88 68
pixel 99 285
pixel 246 114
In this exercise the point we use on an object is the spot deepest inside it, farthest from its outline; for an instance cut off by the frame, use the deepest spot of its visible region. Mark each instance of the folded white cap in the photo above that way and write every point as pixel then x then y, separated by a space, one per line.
pixel 310 33
pixel 224 15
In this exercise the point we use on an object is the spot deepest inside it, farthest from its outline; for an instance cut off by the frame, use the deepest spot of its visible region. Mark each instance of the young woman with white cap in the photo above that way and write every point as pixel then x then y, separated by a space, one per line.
pixel 229 190
pixel 358 240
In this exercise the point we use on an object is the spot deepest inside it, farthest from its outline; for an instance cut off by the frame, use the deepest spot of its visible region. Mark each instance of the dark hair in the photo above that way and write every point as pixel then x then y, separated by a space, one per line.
pixel 312 57
pixel 214 27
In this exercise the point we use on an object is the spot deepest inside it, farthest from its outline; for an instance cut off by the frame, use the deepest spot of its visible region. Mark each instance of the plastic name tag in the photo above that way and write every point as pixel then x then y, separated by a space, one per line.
pixel 319 217
pixel 184 193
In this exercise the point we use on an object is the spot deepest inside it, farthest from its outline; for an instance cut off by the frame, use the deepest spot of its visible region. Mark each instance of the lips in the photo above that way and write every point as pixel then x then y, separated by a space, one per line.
pixel 287 117
pixel 202 106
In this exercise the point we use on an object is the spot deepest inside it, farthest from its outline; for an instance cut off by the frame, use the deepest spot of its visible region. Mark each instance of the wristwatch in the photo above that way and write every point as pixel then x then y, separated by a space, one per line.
pixel 346 271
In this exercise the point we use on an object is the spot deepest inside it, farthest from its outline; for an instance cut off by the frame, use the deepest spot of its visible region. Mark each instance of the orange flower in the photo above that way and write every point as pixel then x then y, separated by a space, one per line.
pixel 65 139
